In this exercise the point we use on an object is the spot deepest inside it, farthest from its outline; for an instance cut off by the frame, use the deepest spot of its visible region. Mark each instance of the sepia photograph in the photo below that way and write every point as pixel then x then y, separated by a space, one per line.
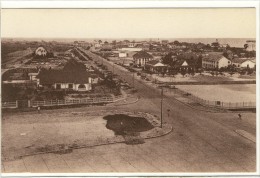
pixel 132 91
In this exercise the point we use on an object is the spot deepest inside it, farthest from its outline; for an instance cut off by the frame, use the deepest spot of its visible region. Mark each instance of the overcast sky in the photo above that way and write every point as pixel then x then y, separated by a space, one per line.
pixel 129 23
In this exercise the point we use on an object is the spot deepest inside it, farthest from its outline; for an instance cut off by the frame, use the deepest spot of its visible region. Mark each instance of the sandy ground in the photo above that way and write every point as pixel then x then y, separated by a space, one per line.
pixel 224 93
pixel 28 131
pixel 31 133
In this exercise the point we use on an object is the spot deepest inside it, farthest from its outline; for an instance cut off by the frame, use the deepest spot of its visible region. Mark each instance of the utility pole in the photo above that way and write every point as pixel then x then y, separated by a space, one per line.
pixel 161 106
pixel 133 80
pixel 113 68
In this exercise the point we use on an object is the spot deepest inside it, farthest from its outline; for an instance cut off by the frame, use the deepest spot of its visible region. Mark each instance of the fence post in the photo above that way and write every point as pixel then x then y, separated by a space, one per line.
pixel 29 103
pixel 16 103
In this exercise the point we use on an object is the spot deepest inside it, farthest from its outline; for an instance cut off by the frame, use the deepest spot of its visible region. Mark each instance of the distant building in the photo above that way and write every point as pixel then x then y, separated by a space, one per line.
pixel 131 45
pixel 122 54
pixel 81 43
pixel 165 42
pixel 250 45
pixel 155 66
pixel 184 65
pixel 41 51
pixel 141 58
pixel 215 44
pixel 215 60
pixel 131 49
pixel 244 62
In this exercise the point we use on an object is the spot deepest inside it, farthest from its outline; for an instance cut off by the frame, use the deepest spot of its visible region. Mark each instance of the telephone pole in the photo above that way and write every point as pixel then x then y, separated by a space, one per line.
pixel 113 69
pixel 133 80
pixel 161 106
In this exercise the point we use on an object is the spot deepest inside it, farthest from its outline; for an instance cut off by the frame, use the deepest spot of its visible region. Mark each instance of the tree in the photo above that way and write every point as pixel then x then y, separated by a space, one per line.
pixel 227 47
pixel 192 72
pixel 168 59
pixel 200 70
pixel 177 43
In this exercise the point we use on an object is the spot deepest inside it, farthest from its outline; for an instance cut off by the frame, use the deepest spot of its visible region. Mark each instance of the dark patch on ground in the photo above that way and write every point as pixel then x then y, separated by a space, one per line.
pixel 122 124
pixel 58 149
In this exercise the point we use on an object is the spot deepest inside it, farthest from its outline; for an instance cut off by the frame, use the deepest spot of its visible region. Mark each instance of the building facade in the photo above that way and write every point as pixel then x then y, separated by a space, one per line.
pixel 141 58
pixel 244 63
pixel 215 62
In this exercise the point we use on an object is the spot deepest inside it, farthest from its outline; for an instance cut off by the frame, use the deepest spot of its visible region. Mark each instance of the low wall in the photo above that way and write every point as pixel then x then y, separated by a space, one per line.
pixel 212 82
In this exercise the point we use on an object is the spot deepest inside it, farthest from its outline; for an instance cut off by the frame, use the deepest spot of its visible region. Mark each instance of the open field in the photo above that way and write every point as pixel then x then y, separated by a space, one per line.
pixel 224 93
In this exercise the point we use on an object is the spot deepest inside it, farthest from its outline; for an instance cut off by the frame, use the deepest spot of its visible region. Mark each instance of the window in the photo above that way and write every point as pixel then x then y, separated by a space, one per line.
pixel 58 86
pixel 70 85
pixel 82 86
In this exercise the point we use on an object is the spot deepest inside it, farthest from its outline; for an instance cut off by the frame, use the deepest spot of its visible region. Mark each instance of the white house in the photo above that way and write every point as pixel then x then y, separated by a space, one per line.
pixel 244 62
pixel 41 51
pixel 141 58
pixel 33 76
pixel 122 54
pixel 212 61
pixel 73 76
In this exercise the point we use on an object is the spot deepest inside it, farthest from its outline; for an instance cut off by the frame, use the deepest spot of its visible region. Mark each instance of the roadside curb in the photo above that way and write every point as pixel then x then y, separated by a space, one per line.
pixel 199 109
pixel 115 104
pixel 246 135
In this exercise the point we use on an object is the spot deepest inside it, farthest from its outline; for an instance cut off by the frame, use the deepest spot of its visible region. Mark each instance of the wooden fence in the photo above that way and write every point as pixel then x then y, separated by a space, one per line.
pixel 32 103
pixel 10 104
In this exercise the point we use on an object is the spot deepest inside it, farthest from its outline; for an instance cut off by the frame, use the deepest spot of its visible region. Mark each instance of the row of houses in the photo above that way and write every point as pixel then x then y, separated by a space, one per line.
pixel 73 76
pixel 208 61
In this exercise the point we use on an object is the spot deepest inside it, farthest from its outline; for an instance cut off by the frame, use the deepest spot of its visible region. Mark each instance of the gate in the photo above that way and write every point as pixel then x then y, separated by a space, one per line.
pixel 22 103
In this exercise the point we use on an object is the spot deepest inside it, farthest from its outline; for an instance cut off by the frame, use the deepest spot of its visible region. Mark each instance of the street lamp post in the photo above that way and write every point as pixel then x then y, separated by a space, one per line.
pixel 161 106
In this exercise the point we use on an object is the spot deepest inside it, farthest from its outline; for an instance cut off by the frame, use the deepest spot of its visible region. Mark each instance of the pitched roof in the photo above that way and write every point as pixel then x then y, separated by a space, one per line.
pixel 62 76
pixel 213 57
pixel 142 54
pixel 241 60
pixel 179 63
pixel 73 72
pixel 153 62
